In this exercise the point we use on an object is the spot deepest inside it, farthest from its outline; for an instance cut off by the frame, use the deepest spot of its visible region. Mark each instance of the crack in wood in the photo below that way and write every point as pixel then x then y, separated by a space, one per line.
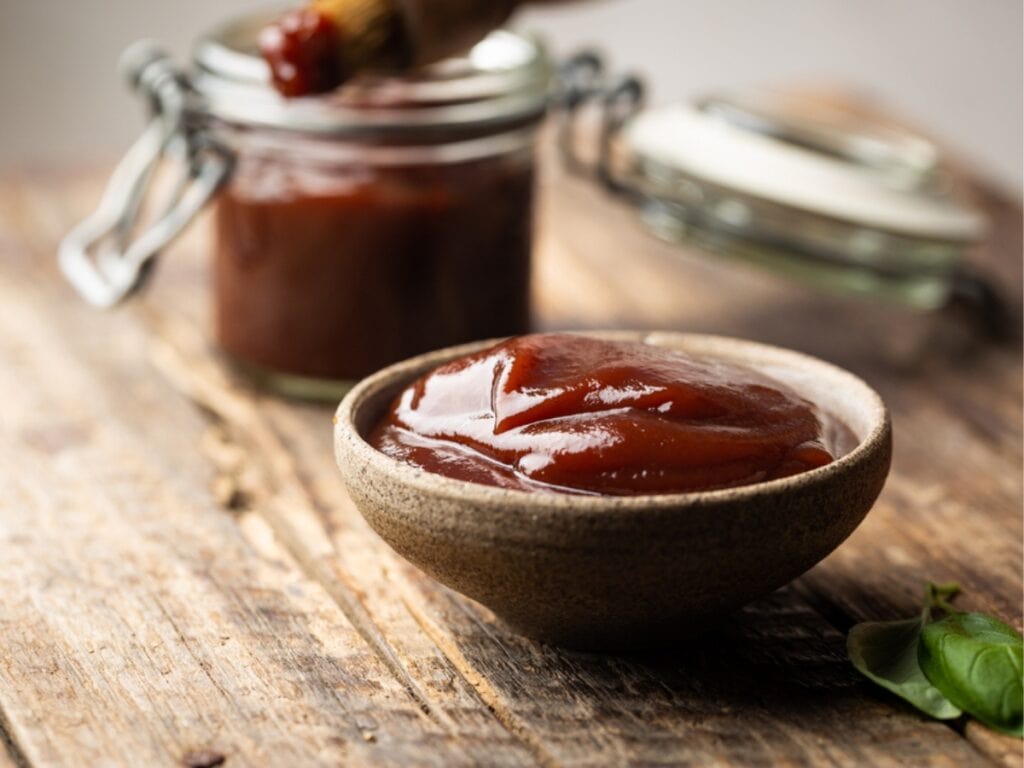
pixel 10 746
pixel 204 758
pixel 234 486
pixel 488 695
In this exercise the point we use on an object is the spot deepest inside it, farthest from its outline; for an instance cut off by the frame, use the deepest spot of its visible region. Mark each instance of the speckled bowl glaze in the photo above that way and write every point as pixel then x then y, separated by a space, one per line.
pixel 602 572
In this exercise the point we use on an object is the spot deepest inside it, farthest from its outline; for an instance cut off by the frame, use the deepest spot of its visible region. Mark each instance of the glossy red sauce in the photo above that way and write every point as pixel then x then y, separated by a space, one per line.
pixel 302 50
pixel 570 413
pixel 333 273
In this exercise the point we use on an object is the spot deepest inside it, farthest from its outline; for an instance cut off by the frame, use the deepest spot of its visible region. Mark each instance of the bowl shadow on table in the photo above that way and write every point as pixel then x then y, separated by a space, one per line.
pixel 778 641
pixel 776 660
pixel 779 665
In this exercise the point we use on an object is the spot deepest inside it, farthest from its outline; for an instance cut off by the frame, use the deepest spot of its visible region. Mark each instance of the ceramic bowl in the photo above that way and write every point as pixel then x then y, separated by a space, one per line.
pixel 604 572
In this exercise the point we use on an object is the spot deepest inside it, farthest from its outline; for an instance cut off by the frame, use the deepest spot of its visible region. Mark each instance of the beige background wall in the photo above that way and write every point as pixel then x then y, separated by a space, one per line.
pixel 953 66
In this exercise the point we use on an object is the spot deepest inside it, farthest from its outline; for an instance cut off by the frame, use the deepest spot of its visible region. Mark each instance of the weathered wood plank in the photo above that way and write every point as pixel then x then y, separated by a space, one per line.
pixel 951 510
pixel 772 687
pixel 1002 749
pixel 143 624
pixel 592 710
pixel 680 706
pixel 547 706
pixel 355 569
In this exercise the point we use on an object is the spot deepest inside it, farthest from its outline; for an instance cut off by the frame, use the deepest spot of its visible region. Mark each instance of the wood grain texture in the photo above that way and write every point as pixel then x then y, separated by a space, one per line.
pixel 9 755
pixel 579 709
pixel 186 577
pixel 142 623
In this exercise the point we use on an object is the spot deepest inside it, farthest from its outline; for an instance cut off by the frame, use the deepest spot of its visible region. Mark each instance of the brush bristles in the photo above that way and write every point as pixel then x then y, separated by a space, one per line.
pixel 370 31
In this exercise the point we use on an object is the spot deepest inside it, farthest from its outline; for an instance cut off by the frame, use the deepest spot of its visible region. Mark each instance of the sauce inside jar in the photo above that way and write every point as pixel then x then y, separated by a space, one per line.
pixel 332 273
pixel 566 413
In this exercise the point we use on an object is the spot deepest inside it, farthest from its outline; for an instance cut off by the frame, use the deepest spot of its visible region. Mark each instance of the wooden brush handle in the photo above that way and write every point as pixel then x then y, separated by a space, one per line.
pixel 436 29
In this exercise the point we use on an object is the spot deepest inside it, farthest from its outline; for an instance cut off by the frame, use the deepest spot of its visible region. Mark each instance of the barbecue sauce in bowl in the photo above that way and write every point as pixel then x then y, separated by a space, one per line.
pixel 568 413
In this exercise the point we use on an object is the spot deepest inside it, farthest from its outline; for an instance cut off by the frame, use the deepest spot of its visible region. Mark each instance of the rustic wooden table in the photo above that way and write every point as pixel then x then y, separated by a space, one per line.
pixel 185 582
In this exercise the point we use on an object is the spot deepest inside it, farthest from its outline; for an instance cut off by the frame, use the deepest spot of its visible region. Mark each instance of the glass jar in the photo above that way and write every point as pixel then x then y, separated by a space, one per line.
pixel 805 189
pixel 350 231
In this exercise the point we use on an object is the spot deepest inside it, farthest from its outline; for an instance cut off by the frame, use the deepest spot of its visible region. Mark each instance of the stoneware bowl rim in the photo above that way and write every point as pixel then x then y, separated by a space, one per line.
pixel 400 374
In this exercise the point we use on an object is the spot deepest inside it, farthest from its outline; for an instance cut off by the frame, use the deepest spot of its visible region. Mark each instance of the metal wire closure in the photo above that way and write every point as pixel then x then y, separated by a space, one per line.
pixel 582 80
pixel 680 206
pixel 104 258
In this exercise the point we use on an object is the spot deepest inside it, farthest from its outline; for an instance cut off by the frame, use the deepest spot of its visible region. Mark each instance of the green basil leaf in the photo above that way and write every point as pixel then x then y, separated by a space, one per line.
pixel 886 652
pixel 977 662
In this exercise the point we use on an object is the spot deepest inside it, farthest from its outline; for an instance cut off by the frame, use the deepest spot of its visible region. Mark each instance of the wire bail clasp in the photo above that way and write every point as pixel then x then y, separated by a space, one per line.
pixel 103 257
pixel 583 81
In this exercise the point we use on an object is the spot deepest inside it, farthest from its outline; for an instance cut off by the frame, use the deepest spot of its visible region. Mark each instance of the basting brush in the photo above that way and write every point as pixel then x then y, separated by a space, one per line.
pixel 318 47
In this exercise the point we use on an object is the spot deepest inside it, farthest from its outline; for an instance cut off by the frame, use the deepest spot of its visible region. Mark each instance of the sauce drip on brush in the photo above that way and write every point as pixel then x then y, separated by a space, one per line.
pixel 318 47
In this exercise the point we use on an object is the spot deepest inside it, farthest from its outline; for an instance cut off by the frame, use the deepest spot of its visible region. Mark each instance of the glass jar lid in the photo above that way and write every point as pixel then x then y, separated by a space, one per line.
pixel 806 188
pixel 503 79
pixel 844 204
pixel 867 176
